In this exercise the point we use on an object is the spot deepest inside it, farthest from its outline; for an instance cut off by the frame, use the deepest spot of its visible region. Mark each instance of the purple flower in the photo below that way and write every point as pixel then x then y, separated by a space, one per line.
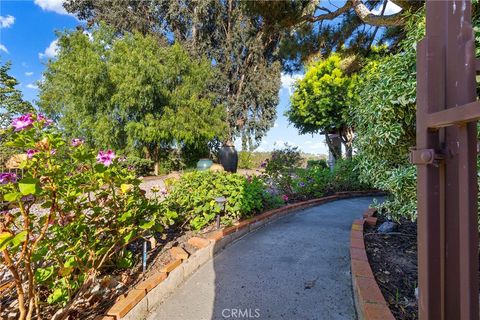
pixel 31 152
pixel 301 184
pixel 131 168
pixel 23 122
pixel 263 164
pixel 53 152
pixel 285 198
pixel 105 157
pixel 76 142
pixel 45 120
pixel 7 177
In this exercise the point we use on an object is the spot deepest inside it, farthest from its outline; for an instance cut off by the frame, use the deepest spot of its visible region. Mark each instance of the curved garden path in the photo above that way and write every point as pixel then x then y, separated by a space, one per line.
pixel 297 267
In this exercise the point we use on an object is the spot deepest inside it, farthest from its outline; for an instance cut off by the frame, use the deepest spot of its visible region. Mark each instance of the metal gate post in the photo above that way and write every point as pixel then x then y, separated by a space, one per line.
pixel 446 159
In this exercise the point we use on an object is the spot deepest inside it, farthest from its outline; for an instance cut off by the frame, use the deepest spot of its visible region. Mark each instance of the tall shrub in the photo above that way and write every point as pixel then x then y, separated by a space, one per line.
pixel 384 120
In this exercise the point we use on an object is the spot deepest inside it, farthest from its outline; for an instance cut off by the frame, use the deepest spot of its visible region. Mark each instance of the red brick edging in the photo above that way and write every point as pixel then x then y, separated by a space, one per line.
pixel 135 303
pixel 369 300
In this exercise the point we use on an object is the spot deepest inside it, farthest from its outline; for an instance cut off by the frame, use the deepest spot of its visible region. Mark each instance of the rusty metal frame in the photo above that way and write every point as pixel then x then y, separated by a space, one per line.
pixel 445 156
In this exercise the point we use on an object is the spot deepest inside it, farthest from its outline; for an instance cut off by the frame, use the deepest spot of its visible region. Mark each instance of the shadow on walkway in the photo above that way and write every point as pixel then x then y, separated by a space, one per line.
pixel 297 267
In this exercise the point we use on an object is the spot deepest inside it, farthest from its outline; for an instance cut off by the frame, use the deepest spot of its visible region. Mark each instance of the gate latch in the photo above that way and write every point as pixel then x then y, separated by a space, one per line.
pixel 425 156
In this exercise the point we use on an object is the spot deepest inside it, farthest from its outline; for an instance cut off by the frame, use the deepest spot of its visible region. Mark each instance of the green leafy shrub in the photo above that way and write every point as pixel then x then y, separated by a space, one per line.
pixel 280 169
pixel 384 120
pixel 193 197
pixel 141 166
pixel 321 163
pixel 346 176
pixel 74 213
pixel 245 160
pixel 312 182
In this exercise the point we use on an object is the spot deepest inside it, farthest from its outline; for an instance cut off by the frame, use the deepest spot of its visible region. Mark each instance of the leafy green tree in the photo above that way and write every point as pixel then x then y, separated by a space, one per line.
pixel 11 100
pixel 131 93
pixel 240 44
pixel 322 101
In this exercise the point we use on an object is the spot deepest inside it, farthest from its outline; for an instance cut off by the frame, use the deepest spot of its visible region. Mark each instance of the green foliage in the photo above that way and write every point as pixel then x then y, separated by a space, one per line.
pixel 385 122
pixel 313 182
pixel 11 101
pixel 193 197
pixel 321 163
pixel 130 93
pixel 280 168
pixel 346 176
pixel 141 166
pixel 92 208
pixel 322 100
pixel 252 160
pixel 247 66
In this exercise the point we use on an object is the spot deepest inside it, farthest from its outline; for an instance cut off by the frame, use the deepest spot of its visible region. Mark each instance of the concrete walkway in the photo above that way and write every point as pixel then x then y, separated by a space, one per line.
pixel 294 268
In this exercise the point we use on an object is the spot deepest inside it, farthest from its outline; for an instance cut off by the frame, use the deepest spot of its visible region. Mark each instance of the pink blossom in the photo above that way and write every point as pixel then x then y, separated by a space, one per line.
pixel 105 157
pixel 7 177
pixel 77 142
pixel 31 152
pixel 53 152
pixel 23 122
pixel 285 198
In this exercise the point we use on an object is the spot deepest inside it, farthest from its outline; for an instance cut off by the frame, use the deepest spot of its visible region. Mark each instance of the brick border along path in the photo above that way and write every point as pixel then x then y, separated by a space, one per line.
pixel 297 267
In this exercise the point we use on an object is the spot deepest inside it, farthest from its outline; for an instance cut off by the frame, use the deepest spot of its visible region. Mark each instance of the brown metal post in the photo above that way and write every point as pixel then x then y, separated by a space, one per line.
pixel 447 187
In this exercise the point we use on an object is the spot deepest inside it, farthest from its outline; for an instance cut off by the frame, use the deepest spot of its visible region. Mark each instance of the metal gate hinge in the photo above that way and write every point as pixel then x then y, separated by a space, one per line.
pixel 425 156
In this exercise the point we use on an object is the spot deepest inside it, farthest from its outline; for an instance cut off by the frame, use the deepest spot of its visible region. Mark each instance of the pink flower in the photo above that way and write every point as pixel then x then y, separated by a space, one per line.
pixel 7 177
pixel 105 157
pixel 77 142
pixel 23 122
pixel 31 152
pixel 285 198
pixel 53 152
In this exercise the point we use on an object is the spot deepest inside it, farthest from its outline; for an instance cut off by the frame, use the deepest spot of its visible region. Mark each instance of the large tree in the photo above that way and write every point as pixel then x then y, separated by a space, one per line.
pixel 322 101
pixel 11 100
pixel 240 43
pixel 131 93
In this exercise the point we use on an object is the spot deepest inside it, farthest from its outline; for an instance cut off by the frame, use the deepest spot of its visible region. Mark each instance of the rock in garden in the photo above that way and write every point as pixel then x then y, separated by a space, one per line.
pixel 387 227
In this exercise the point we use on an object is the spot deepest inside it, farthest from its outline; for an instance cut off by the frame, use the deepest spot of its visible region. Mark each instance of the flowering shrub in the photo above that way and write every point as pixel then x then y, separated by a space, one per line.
pixel 73 213
pixel 193 197
pixel 313 182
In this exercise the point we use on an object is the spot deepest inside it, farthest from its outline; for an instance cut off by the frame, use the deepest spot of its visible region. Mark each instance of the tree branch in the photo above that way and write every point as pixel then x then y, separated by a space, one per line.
pixel 363 13
pixel 369 18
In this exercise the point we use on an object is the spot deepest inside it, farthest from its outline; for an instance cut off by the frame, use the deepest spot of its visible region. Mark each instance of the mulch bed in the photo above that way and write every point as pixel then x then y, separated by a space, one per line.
pixel 393 259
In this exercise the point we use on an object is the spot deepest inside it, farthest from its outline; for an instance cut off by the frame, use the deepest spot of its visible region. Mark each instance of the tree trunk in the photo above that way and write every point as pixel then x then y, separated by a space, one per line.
pixel 334 146
pixel 347 134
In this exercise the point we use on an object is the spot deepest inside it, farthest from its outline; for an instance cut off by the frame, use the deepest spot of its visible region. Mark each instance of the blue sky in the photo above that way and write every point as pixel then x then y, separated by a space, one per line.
pixel 27 39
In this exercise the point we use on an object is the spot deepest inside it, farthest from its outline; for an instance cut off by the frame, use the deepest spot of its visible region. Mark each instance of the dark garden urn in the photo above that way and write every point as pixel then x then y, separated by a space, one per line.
pixel 228 158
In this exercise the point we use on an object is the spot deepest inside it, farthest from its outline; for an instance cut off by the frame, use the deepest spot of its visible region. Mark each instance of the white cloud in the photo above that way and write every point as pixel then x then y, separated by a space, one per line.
pixel 6 21
pixel 391 8
pixel 288 80
pixel 29 74
pixel 32 86
pixel 52 5
pixel 275 125
pixel 51 51
pixel 3 48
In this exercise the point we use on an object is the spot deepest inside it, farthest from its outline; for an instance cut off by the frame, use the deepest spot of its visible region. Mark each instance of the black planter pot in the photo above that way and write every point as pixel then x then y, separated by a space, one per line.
pixel 228 158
